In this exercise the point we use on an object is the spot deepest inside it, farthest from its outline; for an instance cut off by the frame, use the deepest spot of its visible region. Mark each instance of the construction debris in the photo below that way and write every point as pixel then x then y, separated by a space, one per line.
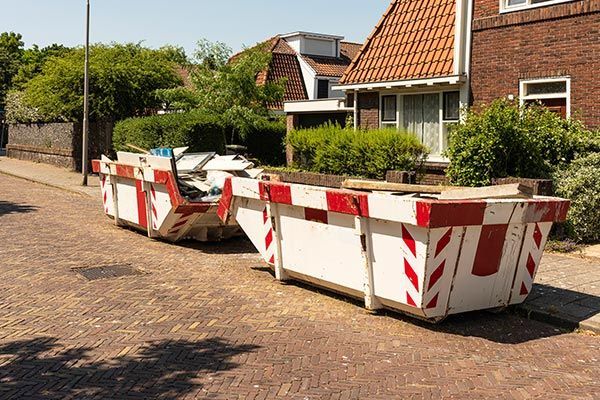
pixel 511 191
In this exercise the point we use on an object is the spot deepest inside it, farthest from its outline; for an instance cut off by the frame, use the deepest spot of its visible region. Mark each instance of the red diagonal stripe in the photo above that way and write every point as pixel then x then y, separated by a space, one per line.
pixel 411 275
pixel 410 301
pixel 269 238
pixel 437 274
pixel 433 302
pixel 265 215
pixel 537 236
pixel 531 266
pixel 524 290
pixel 409 240
pixel 443 243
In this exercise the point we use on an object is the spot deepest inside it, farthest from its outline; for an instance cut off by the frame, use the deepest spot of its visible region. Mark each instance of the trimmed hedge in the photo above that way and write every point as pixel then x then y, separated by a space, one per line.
pixel 370 154
pixel 201 132
pixel 580 182
pixel 266 142
pixel 504 139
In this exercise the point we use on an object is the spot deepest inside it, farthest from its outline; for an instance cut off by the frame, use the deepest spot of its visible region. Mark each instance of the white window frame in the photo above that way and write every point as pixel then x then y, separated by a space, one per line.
pixel 567 95
pixel 399 123
pixel 389 124
pixel 505 8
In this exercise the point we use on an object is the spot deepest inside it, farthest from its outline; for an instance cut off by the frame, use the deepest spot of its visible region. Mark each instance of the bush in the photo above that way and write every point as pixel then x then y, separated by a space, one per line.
pixel 503 140
pixel 580 182
pixel 266 142
pixel 370 154
pixel 201 132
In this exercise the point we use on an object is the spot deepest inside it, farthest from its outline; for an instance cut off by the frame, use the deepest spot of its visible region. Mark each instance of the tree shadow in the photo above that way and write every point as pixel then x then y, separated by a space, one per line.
pixel 38 369
pixel 7 208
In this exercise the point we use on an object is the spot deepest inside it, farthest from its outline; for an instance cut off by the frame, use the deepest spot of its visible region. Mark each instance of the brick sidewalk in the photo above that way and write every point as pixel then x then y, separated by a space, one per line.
pixel 49 175
pixel 207 321
pixel 567 292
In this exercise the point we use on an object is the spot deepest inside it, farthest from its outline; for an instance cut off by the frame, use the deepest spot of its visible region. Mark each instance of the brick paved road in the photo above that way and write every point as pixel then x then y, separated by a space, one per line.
pixel 208 322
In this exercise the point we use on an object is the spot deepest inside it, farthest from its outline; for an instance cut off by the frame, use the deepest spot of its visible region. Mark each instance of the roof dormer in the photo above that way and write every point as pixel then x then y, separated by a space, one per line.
pixel 315 44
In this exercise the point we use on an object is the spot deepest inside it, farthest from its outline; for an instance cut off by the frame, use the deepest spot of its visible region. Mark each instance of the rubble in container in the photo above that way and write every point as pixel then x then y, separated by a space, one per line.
pixel 201 176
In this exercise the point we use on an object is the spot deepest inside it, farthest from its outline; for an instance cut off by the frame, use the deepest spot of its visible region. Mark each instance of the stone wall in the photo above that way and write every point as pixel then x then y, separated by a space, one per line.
pixel 58 144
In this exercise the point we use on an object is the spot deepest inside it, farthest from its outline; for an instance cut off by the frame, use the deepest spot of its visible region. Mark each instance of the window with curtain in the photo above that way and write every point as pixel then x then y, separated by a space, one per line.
pixel 421 114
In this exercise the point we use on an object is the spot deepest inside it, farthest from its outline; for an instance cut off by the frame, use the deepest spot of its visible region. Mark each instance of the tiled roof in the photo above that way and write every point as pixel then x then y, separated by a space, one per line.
pixel 333 66
pixel 413 40
pixel 284 65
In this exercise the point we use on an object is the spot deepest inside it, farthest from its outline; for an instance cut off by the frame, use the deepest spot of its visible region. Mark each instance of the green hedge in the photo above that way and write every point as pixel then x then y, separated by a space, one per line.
pixel 201 132
pixel 370 154
pixel 503 140
pixel 580 182
pixel 266 142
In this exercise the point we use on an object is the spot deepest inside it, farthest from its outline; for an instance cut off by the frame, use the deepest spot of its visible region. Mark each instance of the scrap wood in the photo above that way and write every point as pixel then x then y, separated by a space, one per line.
pixel 511 191
pixel 359 184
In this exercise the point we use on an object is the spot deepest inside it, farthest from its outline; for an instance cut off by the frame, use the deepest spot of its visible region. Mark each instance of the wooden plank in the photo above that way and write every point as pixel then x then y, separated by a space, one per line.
pixel 515 190
pixel 358 184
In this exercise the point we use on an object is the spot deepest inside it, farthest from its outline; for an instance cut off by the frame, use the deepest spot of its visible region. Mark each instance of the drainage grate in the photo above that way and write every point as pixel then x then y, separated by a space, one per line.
pixel 108 272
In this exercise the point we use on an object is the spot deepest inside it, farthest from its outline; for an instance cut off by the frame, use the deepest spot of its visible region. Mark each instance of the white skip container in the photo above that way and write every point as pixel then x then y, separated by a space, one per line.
pixel 141 191
pixel 425 257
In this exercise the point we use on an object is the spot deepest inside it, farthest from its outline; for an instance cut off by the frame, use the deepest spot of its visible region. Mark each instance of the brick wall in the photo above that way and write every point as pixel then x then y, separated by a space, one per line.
pixel 368 110
pixel 542 42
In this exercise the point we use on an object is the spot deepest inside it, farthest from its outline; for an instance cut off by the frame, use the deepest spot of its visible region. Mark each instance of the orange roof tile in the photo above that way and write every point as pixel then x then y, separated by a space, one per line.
pixel 413 40
pixel 284 65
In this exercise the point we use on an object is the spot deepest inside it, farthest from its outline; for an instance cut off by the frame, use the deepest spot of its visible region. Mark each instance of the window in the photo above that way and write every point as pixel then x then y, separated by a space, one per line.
pixel 389 108
pixel 421 116
pixel 451 106
pixel 554 93
pixel 515 5
pixel 322 89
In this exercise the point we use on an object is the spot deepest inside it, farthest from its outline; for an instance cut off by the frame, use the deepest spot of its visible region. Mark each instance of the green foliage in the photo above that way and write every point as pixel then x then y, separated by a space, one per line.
pixel 265 142
pixel 123 81
pixel 503 140
pixel 11 54
pixel 33 61
pixel 370 154
pixel 580 182
pixel 199 131
pixel 228 87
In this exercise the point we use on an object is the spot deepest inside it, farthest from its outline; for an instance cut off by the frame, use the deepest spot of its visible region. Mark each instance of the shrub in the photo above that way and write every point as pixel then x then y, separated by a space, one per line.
pixel 370 154
pixel 266 142
pixel 201 132
pixel 580 182
pixel 503 140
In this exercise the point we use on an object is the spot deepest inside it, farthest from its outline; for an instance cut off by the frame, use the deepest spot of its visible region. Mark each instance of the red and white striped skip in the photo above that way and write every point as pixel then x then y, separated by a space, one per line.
pixel 142 193
pixel 426 257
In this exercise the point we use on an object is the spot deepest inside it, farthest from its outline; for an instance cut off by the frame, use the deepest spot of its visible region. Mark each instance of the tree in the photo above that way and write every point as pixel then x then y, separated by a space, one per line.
pixel 228 86
pixel 33 60
pixel 124 79
pixel 11 54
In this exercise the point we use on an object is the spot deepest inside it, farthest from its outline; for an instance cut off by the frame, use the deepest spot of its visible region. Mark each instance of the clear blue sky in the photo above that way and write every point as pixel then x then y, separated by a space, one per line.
pixel 183 22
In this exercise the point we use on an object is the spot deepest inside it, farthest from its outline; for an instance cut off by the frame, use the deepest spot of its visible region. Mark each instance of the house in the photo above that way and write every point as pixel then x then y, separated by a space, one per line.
pixel 539 50
pixel 312 64
pixel 426 59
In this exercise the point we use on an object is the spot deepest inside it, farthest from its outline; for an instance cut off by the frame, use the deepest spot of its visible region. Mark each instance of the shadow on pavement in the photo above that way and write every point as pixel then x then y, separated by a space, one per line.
pixel 7 208
pixel 40 369
pixel 504 327
pixel 563 307
pixel 238 245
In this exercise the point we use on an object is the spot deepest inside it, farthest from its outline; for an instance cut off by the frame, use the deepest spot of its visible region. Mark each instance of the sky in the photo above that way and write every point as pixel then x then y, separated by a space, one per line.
pixel 237 23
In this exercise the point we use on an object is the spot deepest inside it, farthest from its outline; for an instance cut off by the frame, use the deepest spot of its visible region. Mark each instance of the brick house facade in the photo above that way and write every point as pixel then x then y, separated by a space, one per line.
pixel 554 41
pixel 424 60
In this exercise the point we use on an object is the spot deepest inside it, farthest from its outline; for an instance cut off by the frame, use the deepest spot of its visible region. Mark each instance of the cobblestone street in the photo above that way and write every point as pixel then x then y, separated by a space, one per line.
pixel 209 321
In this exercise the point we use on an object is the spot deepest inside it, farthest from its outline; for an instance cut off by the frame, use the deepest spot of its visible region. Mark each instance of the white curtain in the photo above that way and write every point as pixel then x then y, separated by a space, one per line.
pixel 422 117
